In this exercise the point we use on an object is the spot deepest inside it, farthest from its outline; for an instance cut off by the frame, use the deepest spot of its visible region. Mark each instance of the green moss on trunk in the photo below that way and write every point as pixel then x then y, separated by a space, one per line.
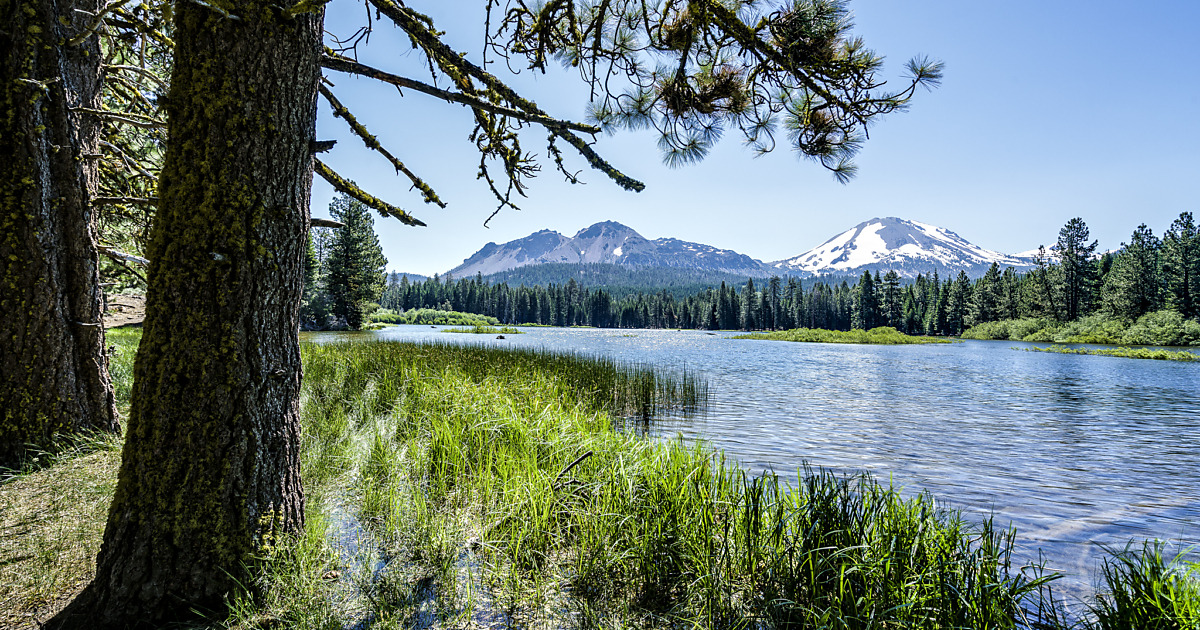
pixel 52 359
pixel 210 472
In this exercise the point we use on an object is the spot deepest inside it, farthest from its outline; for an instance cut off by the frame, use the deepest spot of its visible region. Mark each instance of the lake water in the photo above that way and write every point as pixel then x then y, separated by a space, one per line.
pixel 1075 451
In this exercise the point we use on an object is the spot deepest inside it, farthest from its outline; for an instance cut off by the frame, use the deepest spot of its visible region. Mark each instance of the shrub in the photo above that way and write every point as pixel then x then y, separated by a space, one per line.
pixel 1163 328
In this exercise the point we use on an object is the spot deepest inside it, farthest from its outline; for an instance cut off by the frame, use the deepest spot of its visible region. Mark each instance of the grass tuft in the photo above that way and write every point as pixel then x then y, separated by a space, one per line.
pixel 1143 590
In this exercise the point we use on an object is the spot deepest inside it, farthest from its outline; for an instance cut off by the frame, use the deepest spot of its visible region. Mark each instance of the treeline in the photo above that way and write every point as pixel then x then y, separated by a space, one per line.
pixel 1069 281
pixel 620 281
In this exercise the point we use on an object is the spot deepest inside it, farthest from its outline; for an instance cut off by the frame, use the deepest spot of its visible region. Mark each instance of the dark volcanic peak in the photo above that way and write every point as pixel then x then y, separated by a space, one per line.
pixel 607 242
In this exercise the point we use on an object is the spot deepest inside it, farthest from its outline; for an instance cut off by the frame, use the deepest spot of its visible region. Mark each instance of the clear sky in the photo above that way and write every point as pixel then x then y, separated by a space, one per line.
pixel 1048 111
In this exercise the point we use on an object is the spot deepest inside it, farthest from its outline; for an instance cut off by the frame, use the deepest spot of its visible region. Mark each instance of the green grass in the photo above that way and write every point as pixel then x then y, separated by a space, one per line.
pixel 1143 590
pixel 486 330
pixel 1128 353
pixel 459 486
pixel 498 477
pixel 885 335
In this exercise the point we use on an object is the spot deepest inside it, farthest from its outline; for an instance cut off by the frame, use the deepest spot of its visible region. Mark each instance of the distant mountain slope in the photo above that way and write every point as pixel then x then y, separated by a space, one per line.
pixel 909 247
pixel 607 242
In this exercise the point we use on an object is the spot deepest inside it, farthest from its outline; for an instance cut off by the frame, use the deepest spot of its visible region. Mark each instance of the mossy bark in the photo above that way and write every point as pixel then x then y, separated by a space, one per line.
pixel 210 472
pixel 53 371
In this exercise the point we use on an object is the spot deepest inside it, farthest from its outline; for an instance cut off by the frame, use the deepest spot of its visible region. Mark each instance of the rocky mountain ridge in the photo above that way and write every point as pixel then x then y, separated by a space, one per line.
pixel 880 244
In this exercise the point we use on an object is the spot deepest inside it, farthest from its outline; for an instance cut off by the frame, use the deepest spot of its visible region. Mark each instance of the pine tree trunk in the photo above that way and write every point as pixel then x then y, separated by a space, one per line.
pixel 52 363
pixel 210 472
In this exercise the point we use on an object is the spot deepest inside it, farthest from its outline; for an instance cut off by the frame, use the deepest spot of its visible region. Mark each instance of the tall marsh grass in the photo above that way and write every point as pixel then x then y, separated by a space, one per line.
pixel 498 476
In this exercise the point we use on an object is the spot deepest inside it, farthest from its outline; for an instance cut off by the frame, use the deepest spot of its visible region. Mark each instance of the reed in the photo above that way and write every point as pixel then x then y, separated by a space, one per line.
pixel 1144 590
pixel 457 486
pixel 498 476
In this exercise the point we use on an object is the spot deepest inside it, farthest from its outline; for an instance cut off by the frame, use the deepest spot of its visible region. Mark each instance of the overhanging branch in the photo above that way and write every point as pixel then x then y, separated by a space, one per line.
pixel 342 64
pixel 372 142
pixel 343 185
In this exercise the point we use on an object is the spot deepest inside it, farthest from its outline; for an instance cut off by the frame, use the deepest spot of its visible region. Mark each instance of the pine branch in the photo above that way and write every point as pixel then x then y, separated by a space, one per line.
pixel 342 64
pixel 343 185
pixel 372 142
pixel 424 34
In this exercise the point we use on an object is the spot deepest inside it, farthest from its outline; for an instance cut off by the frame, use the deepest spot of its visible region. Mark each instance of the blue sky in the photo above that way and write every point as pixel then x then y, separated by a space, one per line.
pixel 1048 111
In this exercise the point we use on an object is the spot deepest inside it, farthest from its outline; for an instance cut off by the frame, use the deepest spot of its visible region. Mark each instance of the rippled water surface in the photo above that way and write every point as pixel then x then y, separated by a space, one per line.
pixel 1076 451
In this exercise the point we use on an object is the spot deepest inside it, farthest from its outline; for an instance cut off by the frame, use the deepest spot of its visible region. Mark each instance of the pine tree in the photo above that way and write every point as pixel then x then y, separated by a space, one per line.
pixel 53 368
pixel 1131 288
pixel 354 271
pixel 1181 265
pixel 959 297
pixel 865 306
pixel 750 306
pixel 1076 269
pixel 891 305
pixel 985 299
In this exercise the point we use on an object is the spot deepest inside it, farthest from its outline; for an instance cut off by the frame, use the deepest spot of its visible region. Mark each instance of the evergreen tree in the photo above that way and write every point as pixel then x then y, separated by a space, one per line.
pixel 1076 269
pixel 865 307
pixel 773 296
pixel 314 302
pixel 52 360
pixel 1181 266
pixel 1131 288
pixel 1010 294
pixel 354 271
pixel 959 296
pixel 891 304
pixel 750 304
pixel 985 299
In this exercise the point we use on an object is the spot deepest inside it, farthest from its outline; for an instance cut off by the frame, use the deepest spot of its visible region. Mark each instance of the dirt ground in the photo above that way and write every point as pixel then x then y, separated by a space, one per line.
pixel 124 310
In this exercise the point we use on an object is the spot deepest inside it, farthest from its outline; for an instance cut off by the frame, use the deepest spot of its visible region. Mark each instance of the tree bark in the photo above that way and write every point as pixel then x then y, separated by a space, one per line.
pixel 52 361
pixel 210 472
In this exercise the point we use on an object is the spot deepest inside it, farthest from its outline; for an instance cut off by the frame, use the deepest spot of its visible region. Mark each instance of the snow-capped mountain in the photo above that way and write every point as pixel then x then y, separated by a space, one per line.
pixel 606 242
pixel 909 247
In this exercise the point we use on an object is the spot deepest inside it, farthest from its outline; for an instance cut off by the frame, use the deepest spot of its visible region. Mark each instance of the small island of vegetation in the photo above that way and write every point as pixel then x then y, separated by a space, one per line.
pixel 486 330
pixel 1127 353
pixel 432 317
pixel 880 335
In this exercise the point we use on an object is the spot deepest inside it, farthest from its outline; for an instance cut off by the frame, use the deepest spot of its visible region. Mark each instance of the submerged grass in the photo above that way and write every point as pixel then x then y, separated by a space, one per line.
pixel 1128 353
pixel 885 335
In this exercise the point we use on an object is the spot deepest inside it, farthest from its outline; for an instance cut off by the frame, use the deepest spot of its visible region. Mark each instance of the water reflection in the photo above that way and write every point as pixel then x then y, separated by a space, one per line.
pixel 1076 451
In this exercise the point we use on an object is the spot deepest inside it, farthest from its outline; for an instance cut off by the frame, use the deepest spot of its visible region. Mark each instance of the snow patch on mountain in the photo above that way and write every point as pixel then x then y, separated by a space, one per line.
pixel 909 247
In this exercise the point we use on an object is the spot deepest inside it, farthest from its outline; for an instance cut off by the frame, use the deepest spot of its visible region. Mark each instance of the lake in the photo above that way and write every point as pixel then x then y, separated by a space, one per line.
pixel 1075 451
